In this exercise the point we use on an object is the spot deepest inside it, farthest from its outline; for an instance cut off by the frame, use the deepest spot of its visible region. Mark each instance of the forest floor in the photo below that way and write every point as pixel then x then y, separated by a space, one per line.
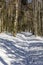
pixel 24 49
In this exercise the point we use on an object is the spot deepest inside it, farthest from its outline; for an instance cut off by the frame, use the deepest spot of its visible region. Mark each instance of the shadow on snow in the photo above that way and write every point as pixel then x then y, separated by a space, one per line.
pixel 2 61
pixel 21 56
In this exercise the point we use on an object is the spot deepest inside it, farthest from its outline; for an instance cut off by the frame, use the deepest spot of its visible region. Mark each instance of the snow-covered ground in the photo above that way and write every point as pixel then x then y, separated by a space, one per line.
pixel 24 49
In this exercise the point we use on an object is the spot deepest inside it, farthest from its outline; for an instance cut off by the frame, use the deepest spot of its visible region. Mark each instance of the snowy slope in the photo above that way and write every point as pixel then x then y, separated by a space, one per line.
pixel 24 49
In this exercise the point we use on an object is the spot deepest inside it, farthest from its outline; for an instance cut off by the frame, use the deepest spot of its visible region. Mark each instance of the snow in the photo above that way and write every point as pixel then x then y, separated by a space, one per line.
pixel 24 49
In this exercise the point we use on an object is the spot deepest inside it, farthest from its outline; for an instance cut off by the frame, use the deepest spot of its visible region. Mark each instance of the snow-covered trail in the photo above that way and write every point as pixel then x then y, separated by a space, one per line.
pixel 24 49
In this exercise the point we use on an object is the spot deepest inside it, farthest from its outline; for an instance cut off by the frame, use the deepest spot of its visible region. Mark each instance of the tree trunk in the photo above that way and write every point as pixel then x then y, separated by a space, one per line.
pixel 16 17
pixel 35 16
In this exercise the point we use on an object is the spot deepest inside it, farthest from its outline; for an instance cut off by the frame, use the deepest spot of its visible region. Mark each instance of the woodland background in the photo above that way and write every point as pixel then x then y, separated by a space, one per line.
pixel 21 15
